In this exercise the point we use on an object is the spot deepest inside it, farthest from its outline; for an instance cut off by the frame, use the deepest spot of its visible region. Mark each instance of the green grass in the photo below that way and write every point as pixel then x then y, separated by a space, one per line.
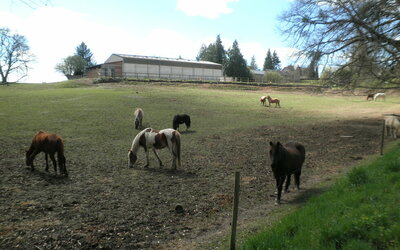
pixel 361 211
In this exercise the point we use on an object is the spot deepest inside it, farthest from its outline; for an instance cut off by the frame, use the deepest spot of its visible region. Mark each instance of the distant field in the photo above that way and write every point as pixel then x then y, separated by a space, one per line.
pixel 104 203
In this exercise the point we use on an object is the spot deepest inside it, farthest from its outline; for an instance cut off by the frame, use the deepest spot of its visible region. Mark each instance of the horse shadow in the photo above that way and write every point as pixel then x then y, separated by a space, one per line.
pixel 187 131
pixel 170 172
pixel 50 178
pixel 303 195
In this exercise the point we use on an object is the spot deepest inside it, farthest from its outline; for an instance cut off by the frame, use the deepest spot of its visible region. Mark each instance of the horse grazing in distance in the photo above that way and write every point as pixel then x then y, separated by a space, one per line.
pixel 273 100
pixel 286 160
pixel 138 118
pixel 49 144
pixel 180 119
pixel 380 96
pixel 392 125
pixel 263 100
pixel 153 139
pixel 370 96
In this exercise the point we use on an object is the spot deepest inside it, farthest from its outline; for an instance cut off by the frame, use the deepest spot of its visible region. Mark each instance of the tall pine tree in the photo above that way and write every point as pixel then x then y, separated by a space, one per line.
pixel 276 61
pixel 83 51
pixel 214 52
pixel 236 65
pixel 268 63
pixel 253 64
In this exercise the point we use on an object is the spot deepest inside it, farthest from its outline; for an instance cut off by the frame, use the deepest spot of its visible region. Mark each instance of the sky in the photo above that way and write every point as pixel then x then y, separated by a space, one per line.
pixel 164 28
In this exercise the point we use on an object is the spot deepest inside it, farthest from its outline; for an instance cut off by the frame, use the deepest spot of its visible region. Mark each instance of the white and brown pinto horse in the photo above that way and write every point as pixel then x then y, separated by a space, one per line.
pixel 263 100
pixel 138 118
pixel 153 139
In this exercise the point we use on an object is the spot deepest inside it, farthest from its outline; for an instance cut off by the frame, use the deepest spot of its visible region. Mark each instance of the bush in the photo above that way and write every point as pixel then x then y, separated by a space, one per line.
pixel 273 77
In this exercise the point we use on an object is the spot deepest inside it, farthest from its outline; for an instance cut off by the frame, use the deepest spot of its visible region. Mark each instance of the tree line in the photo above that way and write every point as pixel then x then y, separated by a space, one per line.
pixel 354 40
pixel 234 64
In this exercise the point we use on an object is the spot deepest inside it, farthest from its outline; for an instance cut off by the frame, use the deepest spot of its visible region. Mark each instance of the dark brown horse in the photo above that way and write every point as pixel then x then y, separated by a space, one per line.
pixel 286 160
pixel 49 144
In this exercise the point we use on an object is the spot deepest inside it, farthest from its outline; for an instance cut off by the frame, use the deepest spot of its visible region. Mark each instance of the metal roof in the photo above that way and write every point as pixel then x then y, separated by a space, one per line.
pixel 168 61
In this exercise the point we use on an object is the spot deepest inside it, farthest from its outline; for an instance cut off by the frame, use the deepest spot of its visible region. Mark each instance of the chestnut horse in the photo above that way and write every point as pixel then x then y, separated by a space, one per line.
pixel 370 96
pixel 273 100
pixel 263 99
pixel 153 139
pixel 138 118
pixel 285 161
pixel 49 144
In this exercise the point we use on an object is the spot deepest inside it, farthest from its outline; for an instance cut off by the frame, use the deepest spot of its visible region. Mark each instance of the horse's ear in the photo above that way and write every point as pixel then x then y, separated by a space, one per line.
pixel 271 143
pixel 278 143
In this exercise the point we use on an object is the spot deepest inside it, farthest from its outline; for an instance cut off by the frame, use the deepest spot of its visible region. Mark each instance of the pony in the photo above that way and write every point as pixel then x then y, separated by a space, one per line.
pixel 153 139
pixel 286 160
pixel 370 96
pixel 180 119
pixel 138 118
pixel 392 125
pixel 273 100
pixel 380 95
pixel 49 144
pixel 263 100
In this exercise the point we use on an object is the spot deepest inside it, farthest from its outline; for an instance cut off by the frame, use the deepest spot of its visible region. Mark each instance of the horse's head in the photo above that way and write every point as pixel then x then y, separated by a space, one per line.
pixel 131 158
pixel 275 153
pixel 28 158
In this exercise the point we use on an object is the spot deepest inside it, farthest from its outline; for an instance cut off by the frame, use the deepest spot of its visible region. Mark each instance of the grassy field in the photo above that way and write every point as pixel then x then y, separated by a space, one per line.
pixel 104 201
pixel 361 211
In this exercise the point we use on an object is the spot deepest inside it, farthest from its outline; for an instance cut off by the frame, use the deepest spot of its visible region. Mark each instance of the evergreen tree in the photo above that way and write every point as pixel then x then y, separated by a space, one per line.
pixel 219 51
pixel 268 63
pixel 253 64
pixel 214 52
pixel 236 65
pixel 276 61
pixel 83 51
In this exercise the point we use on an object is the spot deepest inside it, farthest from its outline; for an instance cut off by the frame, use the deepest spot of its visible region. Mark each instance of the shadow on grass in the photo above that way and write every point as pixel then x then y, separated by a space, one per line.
pixel 187 131
pixel 50 178
pixel 302 196
pixel 168 171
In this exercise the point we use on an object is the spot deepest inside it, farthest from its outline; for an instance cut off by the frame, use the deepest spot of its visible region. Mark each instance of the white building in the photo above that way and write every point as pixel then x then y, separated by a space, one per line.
pixel 146 67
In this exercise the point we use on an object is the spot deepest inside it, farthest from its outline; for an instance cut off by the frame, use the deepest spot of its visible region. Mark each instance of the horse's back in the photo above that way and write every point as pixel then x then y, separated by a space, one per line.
pixel 47 142
pixel 296 151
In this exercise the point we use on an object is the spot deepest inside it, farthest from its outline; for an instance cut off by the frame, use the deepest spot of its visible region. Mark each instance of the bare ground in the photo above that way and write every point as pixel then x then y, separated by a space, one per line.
pixel 110 206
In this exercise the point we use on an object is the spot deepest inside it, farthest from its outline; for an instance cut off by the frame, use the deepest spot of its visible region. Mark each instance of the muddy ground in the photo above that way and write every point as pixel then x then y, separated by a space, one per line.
pixel 158 208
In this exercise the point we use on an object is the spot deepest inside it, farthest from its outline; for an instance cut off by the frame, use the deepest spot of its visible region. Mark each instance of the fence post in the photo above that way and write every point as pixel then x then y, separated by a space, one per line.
pixel 383 135
pixel 235 210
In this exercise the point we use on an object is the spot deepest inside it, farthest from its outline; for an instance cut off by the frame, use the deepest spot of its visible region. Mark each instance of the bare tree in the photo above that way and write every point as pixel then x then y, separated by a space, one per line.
pixel 340 29
pixel 14 55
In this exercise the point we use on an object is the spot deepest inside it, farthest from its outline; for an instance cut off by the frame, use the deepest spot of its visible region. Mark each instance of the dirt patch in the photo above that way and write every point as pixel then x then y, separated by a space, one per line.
pixel 115 207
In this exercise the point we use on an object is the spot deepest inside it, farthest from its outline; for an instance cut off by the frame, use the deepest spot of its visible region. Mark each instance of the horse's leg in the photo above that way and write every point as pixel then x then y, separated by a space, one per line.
pixel 287 183
pixel 147 157
pixel 47 161
pixel 33 155
pixel 54 163
pixel 158 157
pixel 297 179
pixel 280 184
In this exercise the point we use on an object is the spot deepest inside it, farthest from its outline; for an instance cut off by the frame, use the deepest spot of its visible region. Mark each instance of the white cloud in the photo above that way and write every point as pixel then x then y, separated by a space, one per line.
pixel 205 8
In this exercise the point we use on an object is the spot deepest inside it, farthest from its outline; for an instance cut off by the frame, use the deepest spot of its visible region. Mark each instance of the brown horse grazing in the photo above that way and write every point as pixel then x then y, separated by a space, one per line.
pixel 138 118
pixel 273 100
pixel 49 144
pixel 370 96
pixel 153 139
pixel 285 161
pixel 263 100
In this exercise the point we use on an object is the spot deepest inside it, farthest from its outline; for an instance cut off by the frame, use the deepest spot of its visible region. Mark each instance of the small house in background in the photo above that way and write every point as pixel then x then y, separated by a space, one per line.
pixel 93 71
pixel 148 67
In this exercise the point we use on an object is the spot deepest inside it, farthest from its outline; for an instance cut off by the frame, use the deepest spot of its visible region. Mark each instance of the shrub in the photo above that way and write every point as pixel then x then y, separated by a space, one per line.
pixel 273 77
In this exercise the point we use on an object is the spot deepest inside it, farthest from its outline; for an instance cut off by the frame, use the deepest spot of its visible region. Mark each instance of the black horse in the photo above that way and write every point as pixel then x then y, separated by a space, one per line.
pixel 286 160
pixel 180 119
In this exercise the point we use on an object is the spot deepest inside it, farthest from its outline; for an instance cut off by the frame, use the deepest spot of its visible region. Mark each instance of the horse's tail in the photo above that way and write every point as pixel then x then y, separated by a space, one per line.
pixel 61 157
pixel 176 136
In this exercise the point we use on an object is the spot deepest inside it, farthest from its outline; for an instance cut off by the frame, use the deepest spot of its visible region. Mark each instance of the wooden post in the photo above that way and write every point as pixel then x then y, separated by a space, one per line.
pixel 383 136
pixel 235 210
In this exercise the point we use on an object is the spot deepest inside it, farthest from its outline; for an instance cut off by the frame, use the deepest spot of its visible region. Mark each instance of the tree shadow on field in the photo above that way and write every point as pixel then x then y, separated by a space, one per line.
pixel 50 177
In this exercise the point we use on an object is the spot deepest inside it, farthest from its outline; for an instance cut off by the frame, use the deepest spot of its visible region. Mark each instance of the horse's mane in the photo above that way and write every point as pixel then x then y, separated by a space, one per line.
pixel 135 143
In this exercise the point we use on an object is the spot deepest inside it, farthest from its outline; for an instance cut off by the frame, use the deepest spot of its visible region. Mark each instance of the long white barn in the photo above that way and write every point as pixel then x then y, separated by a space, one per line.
pixel 133 66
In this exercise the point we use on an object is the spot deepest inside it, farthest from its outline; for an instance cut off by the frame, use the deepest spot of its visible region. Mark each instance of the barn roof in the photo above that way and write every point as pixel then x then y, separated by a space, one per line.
pixel 153 60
